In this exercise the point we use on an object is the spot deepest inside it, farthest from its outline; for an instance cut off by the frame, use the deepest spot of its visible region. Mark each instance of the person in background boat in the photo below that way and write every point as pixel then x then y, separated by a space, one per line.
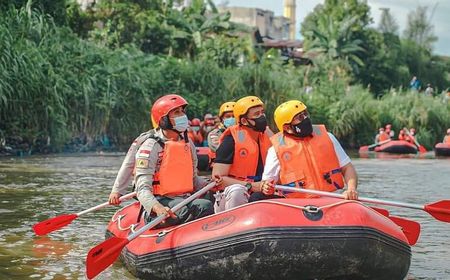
pixel 447 137
pixel 305 156
pixel 241 154
pixel 226 120
pixel 194 132
pixel 159 157
pixel 208 125
pixel 389 131
pixel 381 136
pixel 410 137
pixel 402 135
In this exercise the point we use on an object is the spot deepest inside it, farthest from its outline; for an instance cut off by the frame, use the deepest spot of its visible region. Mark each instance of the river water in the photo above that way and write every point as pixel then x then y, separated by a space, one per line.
pixel 35 188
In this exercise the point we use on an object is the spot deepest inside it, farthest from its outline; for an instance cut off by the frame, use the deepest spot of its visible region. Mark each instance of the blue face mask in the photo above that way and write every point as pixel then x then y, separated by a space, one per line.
pixel 229 122
pixel 181 123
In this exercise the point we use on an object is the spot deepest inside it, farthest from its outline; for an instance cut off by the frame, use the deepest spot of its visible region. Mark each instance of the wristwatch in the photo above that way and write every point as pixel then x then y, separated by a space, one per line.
pixel 248 185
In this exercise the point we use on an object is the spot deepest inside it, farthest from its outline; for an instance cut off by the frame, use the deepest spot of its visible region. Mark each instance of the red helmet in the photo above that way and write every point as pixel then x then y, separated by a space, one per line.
pixel 195 122
pixel 164 105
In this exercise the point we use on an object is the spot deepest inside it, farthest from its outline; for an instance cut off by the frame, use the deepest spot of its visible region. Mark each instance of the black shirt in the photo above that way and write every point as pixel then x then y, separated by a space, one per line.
pixel 225 154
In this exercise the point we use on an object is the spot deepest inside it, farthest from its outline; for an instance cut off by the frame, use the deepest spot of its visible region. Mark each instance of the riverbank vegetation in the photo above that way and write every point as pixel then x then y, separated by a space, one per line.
pixel 73 80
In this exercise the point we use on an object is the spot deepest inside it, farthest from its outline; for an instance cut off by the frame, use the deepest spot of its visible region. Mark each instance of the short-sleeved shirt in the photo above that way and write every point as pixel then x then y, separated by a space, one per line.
pixel 272 167
pixel 225 154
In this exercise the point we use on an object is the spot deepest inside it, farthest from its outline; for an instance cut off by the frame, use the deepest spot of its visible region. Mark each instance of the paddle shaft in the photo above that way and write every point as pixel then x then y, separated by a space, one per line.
pixel 122 198
pixel 379 143
pixel 363 199
pixel 177 207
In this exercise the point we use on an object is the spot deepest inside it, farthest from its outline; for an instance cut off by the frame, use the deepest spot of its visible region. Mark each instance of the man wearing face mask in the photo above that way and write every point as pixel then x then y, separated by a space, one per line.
pixel 305 156
pixel 241 154
pixel 194 132
pixel 226 120
pixel 167 151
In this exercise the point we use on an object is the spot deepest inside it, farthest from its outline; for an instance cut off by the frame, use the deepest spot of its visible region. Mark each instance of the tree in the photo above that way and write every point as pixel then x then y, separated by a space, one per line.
pixel 388 24
pixel 335 40
pixel 336 29
pixel 419 28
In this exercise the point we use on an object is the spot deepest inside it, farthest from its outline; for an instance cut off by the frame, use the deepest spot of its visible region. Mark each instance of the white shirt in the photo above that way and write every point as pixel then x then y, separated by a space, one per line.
pixel 272 165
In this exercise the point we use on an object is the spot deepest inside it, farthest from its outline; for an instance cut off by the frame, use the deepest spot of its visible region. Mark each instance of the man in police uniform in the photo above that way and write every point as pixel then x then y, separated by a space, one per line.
pixel 166 165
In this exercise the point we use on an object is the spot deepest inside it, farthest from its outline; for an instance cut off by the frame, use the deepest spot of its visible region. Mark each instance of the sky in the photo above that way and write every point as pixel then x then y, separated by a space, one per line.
pixel 398 8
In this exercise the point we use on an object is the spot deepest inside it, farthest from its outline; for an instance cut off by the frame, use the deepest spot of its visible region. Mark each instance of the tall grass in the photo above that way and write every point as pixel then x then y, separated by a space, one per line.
pixel 56 86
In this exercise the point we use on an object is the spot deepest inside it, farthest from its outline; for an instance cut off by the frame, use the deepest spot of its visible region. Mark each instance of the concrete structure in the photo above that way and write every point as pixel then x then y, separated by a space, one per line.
pixel 289 12
pixel 276 27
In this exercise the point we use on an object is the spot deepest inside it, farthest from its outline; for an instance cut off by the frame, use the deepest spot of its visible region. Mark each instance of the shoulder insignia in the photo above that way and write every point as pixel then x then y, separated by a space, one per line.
pixel 144 153
pixel 142 163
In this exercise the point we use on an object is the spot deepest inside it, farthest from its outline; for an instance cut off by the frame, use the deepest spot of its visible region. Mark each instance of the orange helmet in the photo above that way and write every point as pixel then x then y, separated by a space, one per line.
pixel 164 105
pixel 195 122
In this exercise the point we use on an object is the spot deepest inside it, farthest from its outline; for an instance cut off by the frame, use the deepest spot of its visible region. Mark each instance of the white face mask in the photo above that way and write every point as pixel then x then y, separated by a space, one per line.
pixel 181 123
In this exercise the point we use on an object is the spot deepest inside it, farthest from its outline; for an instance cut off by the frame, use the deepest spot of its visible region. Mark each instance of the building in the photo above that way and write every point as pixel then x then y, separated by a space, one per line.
pixel 276 27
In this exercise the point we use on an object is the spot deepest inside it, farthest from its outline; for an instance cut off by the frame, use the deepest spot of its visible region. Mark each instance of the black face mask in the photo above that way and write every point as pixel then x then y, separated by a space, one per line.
pixel 303 129
pixel 260 124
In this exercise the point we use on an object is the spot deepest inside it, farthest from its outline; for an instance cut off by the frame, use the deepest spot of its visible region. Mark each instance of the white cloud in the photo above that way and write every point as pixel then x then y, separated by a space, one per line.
pixel 398 8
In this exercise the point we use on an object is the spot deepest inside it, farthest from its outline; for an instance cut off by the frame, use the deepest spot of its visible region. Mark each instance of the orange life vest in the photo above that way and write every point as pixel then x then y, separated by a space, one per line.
pixel 246 151
pixel 383 137
pixel 309 163
pixel 177 157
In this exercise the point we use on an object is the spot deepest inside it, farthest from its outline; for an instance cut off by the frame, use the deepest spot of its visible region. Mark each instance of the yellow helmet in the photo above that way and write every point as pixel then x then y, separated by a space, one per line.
pixel 226 107
pixel 286 112
pixel 242 105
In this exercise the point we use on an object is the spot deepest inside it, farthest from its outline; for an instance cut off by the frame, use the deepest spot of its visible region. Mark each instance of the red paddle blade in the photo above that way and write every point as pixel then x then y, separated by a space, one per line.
pixel 47 226
pixel 382 211
pixel 104 255
pixel 411 229
pixel 422 149
pixel 440 210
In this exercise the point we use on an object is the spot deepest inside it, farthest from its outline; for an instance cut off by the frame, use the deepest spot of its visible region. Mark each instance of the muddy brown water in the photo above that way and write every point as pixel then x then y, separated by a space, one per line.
pixel 35 188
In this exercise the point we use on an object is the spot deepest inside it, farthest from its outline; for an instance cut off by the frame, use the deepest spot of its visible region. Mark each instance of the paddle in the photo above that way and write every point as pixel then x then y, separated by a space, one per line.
pixel 368 148
pixel 422 149
pixel 410 229
pixel 55 223
pixel 105 253
pixel 439 210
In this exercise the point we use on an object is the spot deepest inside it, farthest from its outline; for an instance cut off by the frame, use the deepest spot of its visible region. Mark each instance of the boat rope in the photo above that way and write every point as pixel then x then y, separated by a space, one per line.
pixel 307 208
pixel 310 208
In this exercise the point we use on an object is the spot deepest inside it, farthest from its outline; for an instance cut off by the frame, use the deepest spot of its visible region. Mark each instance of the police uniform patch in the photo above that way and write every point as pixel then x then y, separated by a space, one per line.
pixel 142 163
pixel 144 153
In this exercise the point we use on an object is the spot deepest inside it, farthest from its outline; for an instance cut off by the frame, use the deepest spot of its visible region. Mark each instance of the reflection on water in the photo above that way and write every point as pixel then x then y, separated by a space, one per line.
pixel 36 188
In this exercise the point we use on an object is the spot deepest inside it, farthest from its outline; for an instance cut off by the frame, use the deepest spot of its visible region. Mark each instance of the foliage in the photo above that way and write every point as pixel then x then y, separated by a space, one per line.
pixel 388 24
pixel 55 86
pixel 419 28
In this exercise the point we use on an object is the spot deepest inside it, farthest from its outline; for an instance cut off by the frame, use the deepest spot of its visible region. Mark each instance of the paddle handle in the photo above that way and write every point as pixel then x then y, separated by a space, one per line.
pixel 177 207
pixel 122 198
pixel 363 199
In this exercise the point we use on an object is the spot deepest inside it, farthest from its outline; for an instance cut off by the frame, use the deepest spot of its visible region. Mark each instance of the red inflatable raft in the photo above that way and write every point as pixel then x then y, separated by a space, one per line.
pixel 442 149
pixel 397 147
pixel 271 239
